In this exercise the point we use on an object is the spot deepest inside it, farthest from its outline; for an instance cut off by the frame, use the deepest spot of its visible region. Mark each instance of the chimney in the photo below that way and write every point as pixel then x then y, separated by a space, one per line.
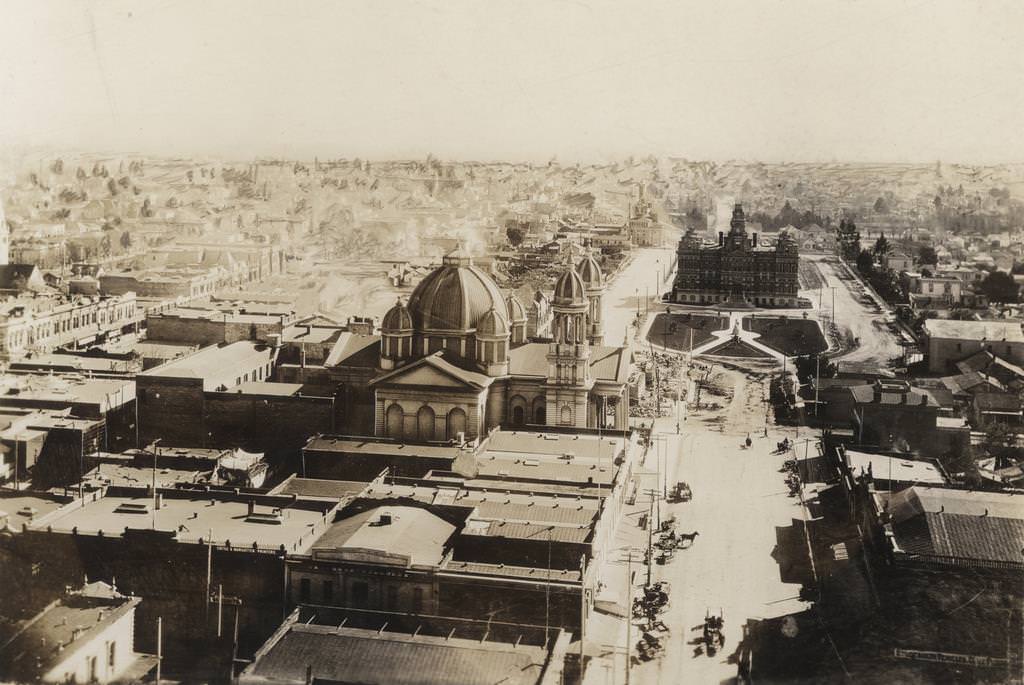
pixel 721 238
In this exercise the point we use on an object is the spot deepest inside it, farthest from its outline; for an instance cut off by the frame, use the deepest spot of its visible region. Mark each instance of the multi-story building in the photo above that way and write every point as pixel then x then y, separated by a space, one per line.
pixel 738 269
pixel 42 324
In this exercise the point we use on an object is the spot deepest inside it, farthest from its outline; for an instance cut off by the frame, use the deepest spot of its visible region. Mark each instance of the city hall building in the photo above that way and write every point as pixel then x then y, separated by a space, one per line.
pixel 738 270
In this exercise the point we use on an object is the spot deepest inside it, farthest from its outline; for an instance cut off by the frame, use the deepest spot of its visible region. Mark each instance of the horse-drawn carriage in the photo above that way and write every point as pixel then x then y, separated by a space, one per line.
pixel 680 493
pixel 713 638
pixel 649 646
pixel 654 601
pixel 782 447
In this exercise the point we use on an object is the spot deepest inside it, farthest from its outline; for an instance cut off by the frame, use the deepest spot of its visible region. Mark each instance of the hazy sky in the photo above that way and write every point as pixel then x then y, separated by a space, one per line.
pixel 581 79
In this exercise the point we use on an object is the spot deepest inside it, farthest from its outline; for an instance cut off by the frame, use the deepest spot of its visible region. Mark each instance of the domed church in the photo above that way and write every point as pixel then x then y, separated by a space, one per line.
pixel 455 360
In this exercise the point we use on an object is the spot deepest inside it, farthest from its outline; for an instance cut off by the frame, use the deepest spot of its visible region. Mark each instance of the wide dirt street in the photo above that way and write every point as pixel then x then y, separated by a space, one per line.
pixel 739 503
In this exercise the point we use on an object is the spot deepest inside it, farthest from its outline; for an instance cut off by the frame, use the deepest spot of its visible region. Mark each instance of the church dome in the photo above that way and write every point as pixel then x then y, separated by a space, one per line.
pixel 454 296
pixel 569 288
pixel 516 310
pixel 397 320
pixel 492 324
pixel 590 271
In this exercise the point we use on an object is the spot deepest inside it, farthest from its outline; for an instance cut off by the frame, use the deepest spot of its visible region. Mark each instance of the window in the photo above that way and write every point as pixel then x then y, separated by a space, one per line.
pixel 360 593
pixel 417 600
pixel 328 591
pixel 304 590
pixel 111 654
pixel 392 598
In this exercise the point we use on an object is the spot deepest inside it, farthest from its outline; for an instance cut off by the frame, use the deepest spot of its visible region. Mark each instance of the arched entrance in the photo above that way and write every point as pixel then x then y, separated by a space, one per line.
pixel 540 412
pixel 456 422
pixel 425 423
pixel 518 416
pixel 393 421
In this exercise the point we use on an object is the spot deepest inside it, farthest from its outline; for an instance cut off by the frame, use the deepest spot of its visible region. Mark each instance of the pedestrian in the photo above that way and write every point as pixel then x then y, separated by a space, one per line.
pixel 766 431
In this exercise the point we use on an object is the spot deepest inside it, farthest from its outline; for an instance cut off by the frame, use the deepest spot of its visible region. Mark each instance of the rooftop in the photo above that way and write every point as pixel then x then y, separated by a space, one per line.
pixel 408 536
pixel 210 360
pixel 606 363
pixel 197 516
pixel 57 632
pixel 991 331
pixel 66 390
pixel 24 507
pixel 376 657
pixel 885 467
pixel 950 524
pixel 328 443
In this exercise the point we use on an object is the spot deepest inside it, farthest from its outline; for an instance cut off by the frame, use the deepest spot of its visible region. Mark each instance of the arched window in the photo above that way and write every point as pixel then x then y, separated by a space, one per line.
pixel 393 421
pixel 517 411
pixel 425 423
pixel 565 415
pixel 456 422
pixel 540 414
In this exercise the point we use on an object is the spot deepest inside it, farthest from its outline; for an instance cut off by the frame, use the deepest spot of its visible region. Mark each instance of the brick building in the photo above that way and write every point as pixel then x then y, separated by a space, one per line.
pixel 737 269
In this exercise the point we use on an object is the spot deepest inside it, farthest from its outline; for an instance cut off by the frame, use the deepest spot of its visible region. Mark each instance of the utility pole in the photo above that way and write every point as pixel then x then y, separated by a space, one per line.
pixel 159 646
pixel 817 381
pixel 583 608
pixel 650 540
pixel 629 612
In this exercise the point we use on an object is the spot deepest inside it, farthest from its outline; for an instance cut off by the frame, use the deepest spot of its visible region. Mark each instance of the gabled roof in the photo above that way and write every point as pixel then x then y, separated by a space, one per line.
pixel 972 380
pixel 17 276
pixel 438 363
pixel 956 524
pixel 987 363
pixel 997 401
pixel 411 535
pixel 353 349
pixel 607 363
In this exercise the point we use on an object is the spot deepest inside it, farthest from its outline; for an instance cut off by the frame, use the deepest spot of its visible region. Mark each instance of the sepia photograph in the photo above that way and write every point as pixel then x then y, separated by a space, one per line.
pixel 549 342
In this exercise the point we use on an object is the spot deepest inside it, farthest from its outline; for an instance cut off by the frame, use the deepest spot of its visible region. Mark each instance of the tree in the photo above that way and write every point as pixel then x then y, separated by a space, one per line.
pixel 881 206
pixel 126 240
pixel 926 272
pixel 1000 287
pixel 58 166
pixel 882 247
pixel 865 262
pixel 927 255
pixel 112 186
pixel 515 234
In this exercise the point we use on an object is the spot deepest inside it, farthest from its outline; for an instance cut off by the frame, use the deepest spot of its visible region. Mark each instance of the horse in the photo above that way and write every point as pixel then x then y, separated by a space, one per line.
pixel 687 537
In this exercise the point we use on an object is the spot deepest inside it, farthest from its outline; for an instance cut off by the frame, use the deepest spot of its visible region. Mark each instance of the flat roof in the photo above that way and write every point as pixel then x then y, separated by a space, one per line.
pixel 506 468
pixel 543 445
pixel 377 657
pixel 990 331
pixel 320 487
pixel 267 388
pixel 209 360
pixel 73 389
pixel 478 568
pixel 25 507
pixel 195 516
pixel 225 315
pixel 886 467
pixel 327 443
